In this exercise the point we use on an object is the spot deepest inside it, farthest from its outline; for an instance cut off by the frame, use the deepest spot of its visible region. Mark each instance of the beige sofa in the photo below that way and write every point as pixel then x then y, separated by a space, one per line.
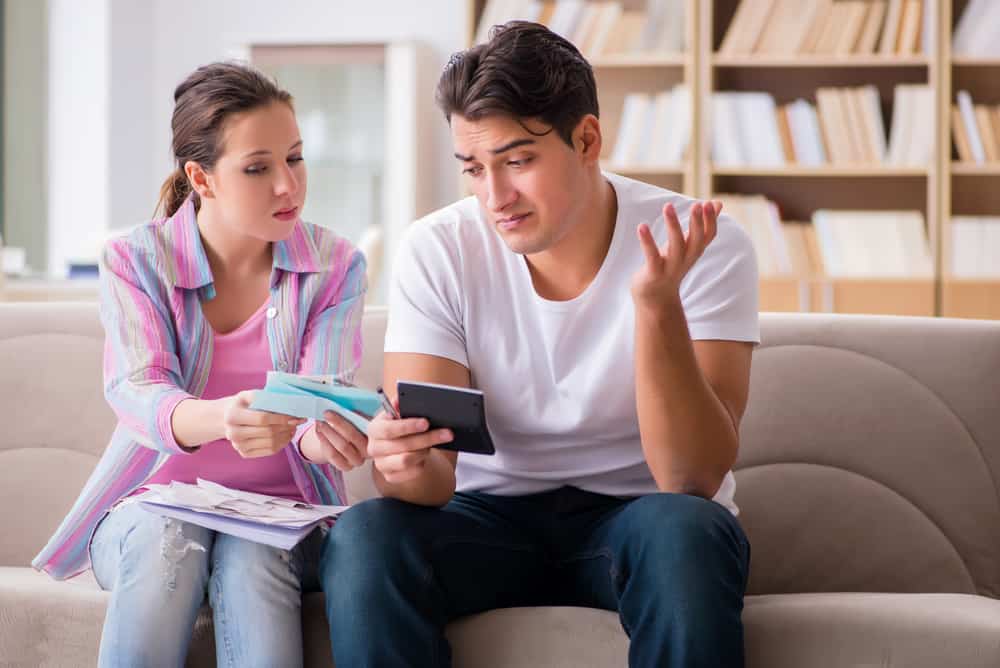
pixel 867 480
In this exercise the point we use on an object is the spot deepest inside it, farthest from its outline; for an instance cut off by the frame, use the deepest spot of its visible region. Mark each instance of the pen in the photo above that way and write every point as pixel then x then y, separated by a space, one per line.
pixel 387 405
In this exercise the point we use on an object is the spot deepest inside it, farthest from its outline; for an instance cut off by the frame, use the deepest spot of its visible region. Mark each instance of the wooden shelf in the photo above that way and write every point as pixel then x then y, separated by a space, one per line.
pixel 829 171
pixel 628 60
pixel 975 169
pixel 970 298
pixel 800 61
pixel 976 61
pixel 645 170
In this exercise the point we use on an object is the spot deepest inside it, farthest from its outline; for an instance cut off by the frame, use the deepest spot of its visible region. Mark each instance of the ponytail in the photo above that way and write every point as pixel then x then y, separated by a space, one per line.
pixel 173 192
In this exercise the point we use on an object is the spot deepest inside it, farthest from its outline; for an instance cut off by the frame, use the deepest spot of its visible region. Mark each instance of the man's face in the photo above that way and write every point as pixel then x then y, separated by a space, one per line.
pixel 530 186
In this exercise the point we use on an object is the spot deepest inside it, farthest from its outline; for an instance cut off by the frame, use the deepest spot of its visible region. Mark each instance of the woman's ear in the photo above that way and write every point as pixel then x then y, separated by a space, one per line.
pixel 587 139
pixel 199 179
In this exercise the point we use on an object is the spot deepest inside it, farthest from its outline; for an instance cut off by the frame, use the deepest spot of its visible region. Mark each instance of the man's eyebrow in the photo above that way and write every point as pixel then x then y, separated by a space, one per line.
pixel 497 151
pixel 264 151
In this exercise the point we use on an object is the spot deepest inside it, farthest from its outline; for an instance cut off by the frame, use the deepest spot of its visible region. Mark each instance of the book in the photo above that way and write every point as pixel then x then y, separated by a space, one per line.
pixel 261 518
pixel 312 396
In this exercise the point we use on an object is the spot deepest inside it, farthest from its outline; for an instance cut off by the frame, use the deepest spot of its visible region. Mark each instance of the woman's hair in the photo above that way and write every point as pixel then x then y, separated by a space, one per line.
pixel 524 71
pixel 202 104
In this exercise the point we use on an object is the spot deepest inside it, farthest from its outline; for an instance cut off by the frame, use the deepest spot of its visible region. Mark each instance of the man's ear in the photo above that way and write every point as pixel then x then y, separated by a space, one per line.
pixel 200 180
pixel 587 139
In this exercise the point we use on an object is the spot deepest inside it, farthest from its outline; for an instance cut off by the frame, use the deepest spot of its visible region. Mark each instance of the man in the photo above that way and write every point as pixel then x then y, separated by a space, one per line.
pixel 614 352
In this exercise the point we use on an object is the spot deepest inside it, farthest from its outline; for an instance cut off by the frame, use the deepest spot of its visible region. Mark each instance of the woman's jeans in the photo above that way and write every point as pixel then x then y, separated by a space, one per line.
pixel 158 571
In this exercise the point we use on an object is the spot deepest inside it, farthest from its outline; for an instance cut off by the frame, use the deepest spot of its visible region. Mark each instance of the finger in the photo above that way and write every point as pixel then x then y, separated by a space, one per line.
pixel 246 416
pixel 696 232
pixel 383 427
pixel 335 457
pixel 416 443
pixel 675 235
pixel 712 226
pixel 347 430
pixel 407 465
pixel 273 432
pixel 337 443
pixel 649 249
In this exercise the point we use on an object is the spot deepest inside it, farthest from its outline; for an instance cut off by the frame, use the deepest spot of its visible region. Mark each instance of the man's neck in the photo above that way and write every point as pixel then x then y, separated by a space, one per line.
pixel 564 271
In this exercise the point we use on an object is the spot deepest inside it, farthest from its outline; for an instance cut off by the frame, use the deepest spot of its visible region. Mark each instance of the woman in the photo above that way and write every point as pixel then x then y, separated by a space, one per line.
pixel 197 307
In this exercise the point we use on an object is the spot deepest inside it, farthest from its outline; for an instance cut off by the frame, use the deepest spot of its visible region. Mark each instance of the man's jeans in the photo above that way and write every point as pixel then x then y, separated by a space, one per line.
pixel 673 566
pixel 158 571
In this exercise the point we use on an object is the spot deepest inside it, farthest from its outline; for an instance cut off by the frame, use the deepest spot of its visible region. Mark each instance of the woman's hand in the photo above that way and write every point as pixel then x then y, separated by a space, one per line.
pixel 335 441
pixel 256 433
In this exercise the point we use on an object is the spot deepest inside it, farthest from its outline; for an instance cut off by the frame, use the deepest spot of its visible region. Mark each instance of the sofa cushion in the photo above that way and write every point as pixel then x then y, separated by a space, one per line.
pixel 45 623
pixel 872 631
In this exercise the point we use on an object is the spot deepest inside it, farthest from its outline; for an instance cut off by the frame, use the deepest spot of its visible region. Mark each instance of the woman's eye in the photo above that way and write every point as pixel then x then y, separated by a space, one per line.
pixel 473 171
pixel 255 169
pixel 294 159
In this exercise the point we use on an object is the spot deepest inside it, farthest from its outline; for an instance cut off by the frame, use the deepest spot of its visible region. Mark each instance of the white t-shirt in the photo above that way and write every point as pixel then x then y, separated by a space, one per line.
pixel 558 377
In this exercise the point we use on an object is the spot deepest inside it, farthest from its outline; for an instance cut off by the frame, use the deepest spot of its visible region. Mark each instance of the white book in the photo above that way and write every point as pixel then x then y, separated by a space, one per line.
pixel 967 109
pixel 779 243
pixel 913 240
pixel 986 32
pixel 663 118
pixel 921 146
pixel 673 35
pixel 928 31
pixel 807 138
pixel 975 13
pixel 758 126
pixel 680 125
pixel 874 126
pixel 566 17
pixel 610 15
pixel 633 122
pixel 901 130
pixel 727 149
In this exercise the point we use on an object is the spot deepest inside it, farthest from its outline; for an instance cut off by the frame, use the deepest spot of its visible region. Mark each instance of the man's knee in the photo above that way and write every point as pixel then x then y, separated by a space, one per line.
pixel 680 528
pixel 370 537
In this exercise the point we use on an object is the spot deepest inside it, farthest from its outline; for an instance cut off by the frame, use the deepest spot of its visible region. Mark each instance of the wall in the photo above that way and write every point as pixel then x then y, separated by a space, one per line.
pixel 25 64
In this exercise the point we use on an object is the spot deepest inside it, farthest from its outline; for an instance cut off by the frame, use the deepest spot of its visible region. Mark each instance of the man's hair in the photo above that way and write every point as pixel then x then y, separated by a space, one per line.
pixel 524 71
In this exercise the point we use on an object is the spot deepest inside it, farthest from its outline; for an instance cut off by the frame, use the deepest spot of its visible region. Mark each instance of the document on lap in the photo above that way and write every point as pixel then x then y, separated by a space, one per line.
pixel 270 520
pixel 311 396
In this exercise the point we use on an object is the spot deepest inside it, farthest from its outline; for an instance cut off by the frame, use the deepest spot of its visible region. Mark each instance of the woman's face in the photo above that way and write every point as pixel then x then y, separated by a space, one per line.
pixel 258 184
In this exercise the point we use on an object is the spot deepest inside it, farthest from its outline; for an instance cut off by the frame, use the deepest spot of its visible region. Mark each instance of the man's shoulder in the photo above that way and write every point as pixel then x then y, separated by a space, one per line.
pixel 643 202
pixel 453 228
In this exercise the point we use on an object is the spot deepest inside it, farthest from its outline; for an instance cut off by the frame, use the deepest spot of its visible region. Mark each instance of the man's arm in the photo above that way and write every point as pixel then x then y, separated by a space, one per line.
pixel 690 399
pixel 406 466
pixel 690 396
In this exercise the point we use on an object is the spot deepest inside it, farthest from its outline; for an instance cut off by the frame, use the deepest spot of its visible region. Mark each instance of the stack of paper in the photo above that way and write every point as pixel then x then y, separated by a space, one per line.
pixel 270 520
pixel 311 396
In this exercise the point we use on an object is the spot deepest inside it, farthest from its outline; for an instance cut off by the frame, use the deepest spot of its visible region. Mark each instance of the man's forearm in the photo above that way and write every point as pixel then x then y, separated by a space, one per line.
pixel 433 487
pixel 689 438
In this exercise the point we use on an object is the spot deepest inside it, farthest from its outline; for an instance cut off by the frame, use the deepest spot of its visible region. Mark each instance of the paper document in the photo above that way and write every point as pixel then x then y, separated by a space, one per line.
pixel 311 396
pixel 270 520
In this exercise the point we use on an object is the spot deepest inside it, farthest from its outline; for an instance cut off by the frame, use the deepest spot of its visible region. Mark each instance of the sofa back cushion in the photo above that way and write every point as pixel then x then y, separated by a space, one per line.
pixel 54 422
pixel 868 454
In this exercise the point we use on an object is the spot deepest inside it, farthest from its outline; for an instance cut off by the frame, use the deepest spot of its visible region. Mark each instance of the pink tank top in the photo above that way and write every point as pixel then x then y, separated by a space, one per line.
pixel 240 361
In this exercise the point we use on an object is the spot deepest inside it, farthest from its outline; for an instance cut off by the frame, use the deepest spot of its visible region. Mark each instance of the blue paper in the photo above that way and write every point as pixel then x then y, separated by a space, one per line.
pixel 306 397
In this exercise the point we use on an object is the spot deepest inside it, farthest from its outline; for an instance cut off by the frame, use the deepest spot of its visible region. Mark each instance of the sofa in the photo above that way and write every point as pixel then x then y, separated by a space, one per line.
pixel 867 479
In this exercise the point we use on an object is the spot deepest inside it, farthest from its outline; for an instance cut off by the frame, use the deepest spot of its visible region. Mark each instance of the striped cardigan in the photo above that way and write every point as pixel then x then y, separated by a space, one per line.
pixel 158 352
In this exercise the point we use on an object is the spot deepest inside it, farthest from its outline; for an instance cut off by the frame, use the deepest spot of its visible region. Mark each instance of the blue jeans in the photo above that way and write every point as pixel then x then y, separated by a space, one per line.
pixel 673 566
pixel 158 571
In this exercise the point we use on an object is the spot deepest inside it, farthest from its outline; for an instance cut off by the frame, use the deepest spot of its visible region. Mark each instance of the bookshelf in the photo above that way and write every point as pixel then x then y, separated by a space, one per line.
pixel 935 184
pixel 968 188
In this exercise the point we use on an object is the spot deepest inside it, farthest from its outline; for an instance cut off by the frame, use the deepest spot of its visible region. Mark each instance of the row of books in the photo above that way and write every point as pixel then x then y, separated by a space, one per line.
pixel 598 28
pixel 977 32
pixel 844 127
pixel 975 129
pixel 826 27
pixel 975 247
pixel 835 244
pixel 653 130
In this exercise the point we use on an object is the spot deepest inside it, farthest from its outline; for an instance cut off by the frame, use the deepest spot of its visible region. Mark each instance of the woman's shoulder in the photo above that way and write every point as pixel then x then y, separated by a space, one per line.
pixel 328 243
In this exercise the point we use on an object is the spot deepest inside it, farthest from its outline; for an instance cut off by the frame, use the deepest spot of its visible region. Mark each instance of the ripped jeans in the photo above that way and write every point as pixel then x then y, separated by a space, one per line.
pixel 158 572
